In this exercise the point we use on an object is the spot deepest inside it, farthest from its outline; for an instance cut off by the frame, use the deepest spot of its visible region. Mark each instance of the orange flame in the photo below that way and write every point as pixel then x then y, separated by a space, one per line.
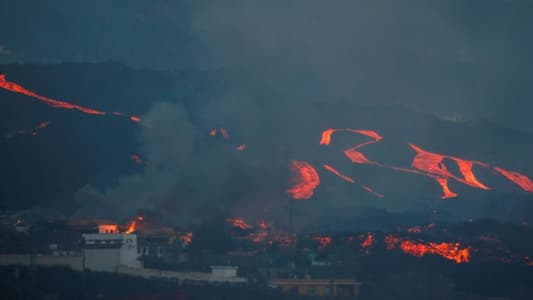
pixel 133 225
pixel 186 238
pixel 305 181
pixel 324 241
pixel 451 251
pixel 107 229
pixel 368 241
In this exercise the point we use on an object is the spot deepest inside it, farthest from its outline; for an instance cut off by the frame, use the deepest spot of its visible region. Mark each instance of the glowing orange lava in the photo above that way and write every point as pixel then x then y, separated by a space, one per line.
pixel 433 163
pixel 368 241
pixel 16 88
pixel 521 180
pixel 304 182
pixel 339 174
pixel 239 223
pixel 451 251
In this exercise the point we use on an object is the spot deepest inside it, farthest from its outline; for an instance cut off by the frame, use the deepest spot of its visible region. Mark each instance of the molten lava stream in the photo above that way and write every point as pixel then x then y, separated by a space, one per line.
pixel 305 180
pixel 339 174
pixel 16 88
pixel 521 180
pixel 433 163
pixel 350 180
pixel 239 223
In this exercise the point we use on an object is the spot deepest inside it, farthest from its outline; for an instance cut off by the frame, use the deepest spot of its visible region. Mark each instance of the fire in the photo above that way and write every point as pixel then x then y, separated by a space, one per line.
pixel 339 174
pixel 263 224
pixel 324 241
pixel 186 238
pixel 368 241
pixel 391 241
pixel 108 229
pixel 239 223
pixel 451 251
pixel 305 181
pixel 19 89
pixel 241 147
pixel 133 225
pixel 521 180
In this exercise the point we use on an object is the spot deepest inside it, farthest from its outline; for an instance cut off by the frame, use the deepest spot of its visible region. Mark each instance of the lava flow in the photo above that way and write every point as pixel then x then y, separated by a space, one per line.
pixel 17 88
pixel 239 223
pixel 324 241
pixel 339 174
pixel 521 180
pixel 451 251
pixel 304 182
pixel 433 163
pixel 368 241
pixel 427 164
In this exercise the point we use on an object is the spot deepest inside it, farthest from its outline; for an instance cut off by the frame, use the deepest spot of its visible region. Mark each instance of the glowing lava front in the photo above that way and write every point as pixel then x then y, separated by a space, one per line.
pixel 304 182
pixel 19 89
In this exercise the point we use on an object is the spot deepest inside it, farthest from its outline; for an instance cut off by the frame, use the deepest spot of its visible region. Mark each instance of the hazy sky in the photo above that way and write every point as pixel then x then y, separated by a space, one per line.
pixel 457 59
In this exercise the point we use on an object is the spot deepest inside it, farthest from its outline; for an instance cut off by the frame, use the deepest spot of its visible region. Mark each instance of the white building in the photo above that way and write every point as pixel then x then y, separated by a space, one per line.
pixel 105 252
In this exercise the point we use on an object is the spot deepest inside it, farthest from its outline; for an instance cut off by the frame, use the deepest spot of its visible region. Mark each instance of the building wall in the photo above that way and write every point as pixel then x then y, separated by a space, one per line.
pixel 106 252
pixel 102 260
pixel 73 262
pixel 224 271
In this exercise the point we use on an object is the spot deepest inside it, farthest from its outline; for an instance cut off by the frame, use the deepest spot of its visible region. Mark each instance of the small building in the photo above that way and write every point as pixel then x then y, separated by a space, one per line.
pixel 318 287
pixel 106 252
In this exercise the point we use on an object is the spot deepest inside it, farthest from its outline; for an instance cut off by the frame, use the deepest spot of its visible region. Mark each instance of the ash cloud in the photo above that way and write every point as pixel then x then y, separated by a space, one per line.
pixel 281 66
